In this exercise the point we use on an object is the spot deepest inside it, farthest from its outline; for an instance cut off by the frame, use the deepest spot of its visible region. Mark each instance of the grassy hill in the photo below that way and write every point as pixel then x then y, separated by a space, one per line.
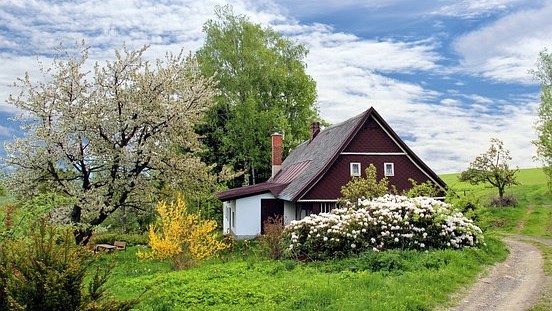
pixel 531 216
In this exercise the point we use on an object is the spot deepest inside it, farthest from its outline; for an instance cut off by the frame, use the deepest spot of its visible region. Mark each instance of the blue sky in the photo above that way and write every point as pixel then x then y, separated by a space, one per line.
pixel 447 75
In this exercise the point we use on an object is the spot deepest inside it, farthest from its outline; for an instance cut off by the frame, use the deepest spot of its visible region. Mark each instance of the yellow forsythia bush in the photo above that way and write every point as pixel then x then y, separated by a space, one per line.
pixel 181 237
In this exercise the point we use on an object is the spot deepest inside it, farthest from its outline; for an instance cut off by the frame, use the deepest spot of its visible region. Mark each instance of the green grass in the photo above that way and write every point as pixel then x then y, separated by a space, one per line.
pixel 533 214
pixel 393 280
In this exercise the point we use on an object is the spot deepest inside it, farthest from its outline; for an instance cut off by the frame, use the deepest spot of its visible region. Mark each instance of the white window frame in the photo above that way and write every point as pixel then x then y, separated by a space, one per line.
pixel 326 207
pixel 392 165
pixel 353 164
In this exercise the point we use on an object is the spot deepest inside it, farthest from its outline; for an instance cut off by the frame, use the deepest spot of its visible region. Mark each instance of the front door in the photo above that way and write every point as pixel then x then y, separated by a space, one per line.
pixel 271 208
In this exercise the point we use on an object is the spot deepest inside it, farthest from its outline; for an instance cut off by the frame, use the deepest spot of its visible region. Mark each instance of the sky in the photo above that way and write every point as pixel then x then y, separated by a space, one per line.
pixel 447 75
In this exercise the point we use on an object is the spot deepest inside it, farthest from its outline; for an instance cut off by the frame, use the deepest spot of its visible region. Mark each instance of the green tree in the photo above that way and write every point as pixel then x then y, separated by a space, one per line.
pixel 492 167
pixel 544 124
pixel 111 137
pixel 364 188
pixel 263 88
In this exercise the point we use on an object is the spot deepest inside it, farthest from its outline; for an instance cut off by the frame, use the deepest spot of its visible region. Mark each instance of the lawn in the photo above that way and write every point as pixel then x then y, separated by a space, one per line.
pixel 392 280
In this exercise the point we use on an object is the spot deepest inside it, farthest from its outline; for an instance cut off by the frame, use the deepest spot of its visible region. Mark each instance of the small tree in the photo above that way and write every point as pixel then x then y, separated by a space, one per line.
pixel 181 237
pixel 492 167
pixel 425 189
pixel 48 271
pixel 364 188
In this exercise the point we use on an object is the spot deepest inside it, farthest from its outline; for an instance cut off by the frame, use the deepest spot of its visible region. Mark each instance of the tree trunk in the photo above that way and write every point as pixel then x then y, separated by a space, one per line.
pixel 123 219
pixel 82 236
pixel 501 195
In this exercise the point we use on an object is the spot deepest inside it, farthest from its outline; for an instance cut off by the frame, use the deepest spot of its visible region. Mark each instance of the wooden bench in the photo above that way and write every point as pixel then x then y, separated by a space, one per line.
pixel 104 247
pixel 120 245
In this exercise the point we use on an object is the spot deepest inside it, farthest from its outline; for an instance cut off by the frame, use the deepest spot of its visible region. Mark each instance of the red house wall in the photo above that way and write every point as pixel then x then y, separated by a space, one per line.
pixel 329 187
pixel 370 139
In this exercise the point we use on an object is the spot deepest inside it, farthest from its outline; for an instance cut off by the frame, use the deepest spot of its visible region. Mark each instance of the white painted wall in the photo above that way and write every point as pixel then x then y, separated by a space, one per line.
pixel 248 216
pixel 289 212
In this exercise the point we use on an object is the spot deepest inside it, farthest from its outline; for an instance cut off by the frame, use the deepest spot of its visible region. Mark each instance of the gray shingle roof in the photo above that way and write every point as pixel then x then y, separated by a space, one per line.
pixel 319 152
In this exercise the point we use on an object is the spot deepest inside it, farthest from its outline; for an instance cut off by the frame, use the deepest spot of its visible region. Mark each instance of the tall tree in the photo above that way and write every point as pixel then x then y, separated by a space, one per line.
pixel 263 88
pixel 544 124
pixel 492 167
pixel 109 138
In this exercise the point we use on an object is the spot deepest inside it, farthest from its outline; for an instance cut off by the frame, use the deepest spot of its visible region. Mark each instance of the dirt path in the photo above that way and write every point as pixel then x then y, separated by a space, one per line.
pixel 514 284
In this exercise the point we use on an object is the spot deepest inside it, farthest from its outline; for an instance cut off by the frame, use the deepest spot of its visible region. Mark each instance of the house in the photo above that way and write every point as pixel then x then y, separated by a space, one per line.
pixel 311 177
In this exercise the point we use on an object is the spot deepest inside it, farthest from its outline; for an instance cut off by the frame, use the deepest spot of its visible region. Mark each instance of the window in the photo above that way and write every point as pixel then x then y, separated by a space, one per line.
pixel 389 169
pixel 355 169
pixel 326 207
pixel 233 220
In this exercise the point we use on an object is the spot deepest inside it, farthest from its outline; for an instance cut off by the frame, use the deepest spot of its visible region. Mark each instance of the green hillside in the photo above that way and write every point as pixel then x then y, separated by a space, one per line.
pixel 533 213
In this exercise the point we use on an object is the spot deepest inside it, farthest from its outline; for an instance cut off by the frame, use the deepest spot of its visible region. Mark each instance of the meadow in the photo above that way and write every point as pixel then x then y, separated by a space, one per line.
pixel 242 278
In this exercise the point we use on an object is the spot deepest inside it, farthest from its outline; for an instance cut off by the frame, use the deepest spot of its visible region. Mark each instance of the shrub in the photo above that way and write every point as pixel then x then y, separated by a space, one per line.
pixel 365 188
pixel 181 237
pixel 425 189
pixel 48 271
pixel 506 200
pixel 271 240
pixel 110 238
pixel 388 222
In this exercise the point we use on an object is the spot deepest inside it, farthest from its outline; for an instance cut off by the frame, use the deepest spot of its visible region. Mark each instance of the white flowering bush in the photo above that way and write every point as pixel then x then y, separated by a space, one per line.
pixel 388 222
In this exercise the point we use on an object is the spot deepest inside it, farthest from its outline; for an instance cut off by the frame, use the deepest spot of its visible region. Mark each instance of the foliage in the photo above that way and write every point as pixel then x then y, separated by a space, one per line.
pixel 111 237
pixel 48 272
pixel 360 188
pixel 388 222
pixel 111 137
pixel 22 215
pixel 492 167
pixel 263 88
pixel 182 237
pixel 543 73
pixel 271 240
pixel 425 189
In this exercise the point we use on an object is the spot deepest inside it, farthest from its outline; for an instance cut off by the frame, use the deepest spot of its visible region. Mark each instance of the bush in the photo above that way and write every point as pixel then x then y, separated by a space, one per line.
pixel 389 222
pixel 506 200
pixel 48 271
pixel 181 237
pixel 110 238
pixel 271 240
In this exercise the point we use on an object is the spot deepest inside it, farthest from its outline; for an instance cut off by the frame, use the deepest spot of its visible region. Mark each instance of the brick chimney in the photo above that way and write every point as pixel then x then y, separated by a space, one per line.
pixel 314 129
pixel 276 153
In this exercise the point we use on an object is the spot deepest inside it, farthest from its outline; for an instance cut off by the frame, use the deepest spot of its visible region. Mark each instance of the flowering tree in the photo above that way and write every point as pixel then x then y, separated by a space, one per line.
pixel 112 137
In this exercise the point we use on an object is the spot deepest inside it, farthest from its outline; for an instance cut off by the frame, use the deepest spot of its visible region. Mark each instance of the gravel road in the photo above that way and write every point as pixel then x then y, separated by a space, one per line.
pixel 514 284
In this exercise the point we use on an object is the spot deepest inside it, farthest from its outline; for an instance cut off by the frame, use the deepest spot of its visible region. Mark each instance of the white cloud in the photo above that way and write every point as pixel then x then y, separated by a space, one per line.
pixel 506 49
pixel 473 8
pixel 352 73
